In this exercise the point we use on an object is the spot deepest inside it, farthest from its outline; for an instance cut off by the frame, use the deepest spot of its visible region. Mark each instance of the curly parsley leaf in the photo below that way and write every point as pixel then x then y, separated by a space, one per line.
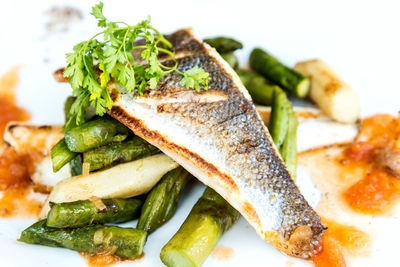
pixel 94 62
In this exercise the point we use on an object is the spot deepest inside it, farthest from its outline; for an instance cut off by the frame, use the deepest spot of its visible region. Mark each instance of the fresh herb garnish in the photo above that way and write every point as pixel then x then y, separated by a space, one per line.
pixel 112 54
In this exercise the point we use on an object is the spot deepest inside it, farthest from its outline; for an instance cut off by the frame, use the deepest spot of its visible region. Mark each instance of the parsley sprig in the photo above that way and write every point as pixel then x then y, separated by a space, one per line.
pixel 112 55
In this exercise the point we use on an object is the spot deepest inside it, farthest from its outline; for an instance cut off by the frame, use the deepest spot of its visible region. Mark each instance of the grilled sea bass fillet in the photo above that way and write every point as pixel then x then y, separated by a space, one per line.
pixel 218 136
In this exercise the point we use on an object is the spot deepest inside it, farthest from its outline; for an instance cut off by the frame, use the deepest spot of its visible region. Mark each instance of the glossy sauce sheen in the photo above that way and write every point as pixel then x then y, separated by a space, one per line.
pixel 361 177
pixel 338 241
pixel 15 184
pixel 379 189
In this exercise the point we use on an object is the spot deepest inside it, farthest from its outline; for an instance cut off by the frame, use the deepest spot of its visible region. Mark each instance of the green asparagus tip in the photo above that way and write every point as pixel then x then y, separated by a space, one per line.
pixel 303 88
pixel 175 257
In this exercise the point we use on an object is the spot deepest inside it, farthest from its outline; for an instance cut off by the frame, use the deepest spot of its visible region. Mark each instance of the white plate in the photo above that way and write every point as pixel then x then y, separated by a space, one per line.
pixel 360 41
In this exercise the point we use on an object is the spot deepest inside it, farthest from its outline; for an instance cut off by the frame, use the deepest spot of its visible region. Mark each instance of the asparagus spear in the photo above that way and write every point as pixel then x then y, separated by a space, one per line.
pixel 260 90
pixel 272 69
pixel 288 150
pixel 116 153
pixel 231 59
pixel 95 133
pixel 278 124
pixel 61 155
pixel 224 44
pixel 67 106
pixel 122 242
pixel 161 202
pixel 76 165
pixel 90 112
pixel 210 217
pixel 76 162
pixel 84 212
pixel 283 129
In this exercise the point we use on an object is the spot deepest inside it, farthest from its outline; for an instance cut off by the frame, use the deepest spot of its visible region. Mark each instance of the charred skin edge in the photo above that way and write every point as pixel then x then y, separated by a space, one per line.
pixel 297 244
pixel 139 129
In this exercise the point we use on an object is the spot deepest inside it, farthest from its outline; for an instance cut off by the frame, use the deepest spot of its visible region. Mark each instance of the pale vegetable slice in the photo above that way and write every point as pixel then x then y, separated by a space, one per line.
pixel 35 142
pixel 25 137
pixel 336 98
pixel 315 129
pixel 45 176
pixel 122 181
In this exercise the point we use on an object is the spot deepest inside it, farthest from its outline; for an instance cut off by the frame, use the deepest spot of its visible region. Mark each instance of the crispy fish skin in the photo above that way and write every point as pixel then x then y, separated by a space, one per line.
pixel 218 136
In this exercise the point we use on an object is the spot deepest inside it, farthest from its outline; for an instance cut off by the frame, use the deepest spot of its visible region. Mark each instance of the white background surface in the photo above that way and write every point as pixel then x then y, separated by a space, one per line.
pixel 360 39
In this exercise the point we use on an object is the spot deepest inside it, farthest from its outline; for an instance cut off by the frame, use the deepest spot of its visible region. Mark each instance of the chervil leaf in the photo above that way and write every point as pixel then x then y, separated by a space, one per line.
pixel 104 76
pixel 195 78
pixel 153 83
pixel 77 111
pixel 79 46
pixel 111 51
pixel 97 12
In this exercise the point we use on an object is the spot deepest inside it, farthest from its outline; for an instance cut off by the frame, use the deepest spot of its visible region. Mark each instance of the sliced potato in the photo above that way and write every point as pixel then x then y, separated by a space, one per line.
pixel 336 98
pixel 122 181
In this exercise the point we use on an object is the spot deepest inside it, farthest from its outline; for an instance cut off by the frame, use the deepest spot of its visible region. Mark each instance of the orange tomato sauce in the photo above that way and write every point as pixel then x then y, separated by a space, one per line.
pixel 374 194
pixel 104 260
pixel 100 260
pixel 366 183
pixel 379 189
pixel 9 111
pixel 15 183
pixel 338 241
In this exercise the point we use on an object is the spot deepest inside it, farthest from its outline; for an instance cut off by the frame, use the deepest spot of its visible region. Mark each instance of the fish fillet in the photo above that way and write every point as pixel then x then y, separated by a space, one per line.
pixel 218 136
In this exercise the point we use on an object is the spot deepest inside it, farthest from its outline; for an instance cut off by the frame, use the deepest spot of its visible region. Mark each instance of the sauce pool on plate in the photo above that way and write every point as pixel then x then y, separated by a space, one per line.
pixel 377 152
pixel 338 241
pixel 15 183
